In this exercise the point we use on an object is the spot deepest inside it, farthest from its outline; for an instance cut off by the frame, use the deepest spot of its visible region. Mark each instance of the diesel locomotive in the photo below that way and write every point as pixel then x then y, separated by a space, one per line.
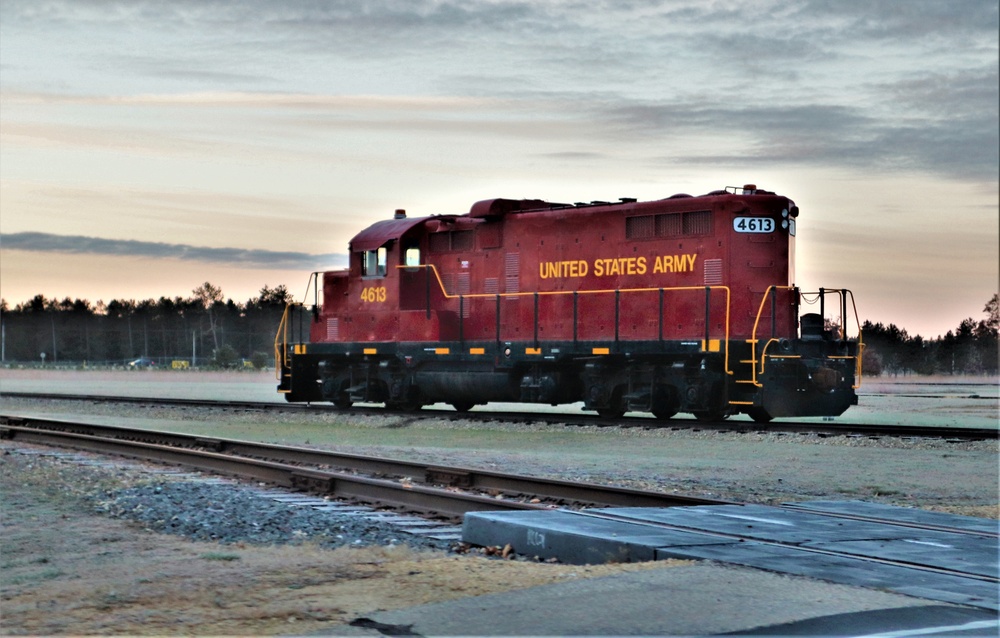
pixel 681 305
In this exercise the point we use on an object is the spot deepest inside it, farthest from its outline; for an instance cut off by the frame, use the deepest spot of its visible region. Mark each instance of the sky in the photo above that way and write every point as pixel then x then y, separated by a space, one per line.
pixel 147 147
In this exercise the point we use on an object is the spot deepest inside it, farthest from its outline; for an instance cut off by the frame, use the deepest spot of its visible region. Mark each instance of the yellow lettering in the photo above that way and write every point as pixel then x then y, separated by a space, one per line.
pixel 373 294
pixel 673 263
pixel 610 267
pixel 561 269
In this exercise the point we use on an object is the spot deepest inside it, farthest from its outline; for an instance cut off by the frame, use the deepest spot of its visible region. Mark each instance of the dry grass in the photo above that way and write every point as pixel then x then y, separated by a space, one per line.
pixel 67 572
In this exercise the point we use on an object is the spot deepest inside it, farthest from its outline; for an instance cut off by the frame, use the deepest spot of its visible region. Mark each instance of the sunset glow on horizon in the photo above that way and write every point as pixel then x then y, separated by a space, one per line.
pixel 148 147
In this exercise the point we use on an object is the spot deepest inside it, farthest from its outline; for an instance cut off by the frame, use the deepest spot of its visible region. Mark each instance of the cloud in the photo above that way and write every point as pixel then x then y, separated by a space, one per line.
pixel 960 145
pixel 235 257
pixel 767 81
pixel 903 20
pixel 259 100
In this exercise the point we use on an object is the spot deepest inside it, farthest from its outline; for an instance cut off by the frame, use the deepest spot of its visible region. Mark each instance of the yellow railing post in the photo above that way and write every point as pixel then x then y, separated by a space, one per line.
pixel 763 352
pixel 281 342
pixel 447 295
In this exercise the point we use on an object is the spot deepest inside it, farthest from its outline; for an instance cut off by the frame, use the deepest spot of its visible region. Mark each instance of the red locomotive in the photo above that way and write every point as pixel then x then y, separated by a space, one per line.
pixel 685 304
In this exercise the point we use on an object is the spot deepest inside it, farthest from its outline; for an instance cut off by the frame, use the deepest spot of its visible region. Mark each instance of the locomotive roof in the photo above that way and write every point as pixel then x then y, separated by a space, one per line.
pixel 382 232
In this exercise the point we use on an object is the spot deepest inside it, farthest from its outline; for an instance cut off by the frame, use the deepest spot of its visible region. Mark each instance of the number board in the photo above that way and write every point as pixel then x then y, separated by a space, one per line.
pixel 753 224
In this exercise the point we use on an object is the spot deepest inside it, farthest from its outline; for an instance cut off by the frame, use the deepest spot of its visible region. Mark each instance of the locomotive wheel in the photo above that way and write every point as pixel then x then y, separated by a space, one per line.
pixel 665 402
pixel 616 407
pixel 759 415
pixel 463 406
pixel 340 397
pixel 717 410
pixel 342 401
pixel 408 399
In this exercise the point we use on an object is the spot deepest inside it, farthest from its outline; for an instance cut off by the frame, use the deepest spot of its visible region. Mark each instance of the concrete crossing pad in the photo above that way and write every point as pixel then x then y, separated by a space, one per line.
pixel 957 565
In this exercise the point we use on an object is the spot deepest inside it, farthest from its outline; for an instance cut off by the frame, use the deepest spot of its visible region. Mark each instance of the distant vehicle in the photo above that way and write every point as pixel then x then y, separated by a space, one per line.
pixel 142 363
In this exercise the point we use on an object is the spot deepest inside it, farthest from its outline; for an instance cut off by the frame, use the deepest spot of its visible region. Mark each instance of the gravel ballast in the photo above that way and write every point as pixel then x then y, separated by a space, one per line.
pixel 230 514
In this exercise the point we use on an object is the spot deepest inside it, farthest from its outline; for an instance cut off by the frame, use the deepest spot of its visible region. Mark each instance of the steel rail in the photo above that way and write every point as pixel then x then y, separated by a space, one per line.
pixel 824 428
pixel 894 522
pixel 106 398
pixel 428 500
pixel 312 465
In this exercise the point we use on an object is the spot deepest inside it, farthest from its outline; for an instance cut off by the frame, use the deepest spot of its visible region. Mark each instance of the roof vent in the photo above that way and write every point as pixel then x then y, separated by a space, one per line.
pixel 748 189
pixel 400 214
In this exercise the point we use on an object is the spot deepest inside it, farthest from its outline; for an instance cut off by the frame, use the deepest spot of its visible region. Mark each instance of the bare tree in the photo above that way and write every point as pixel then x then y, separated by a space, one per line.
pixel 208 295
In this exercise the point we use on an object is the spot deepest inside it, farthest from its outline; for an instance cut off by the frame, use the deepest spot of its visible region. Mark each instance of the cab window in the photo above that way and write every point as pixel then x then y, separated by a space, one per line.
pixel 373 263
pixel 411 257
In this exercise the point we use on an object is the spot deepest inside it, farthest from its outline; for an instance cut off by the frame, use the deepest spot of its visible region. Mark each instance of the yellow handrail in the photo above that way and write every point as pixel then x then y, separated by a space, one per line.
pixel 763 353
pixel 753 337
pixel 861 343
pixel 541 293
pixel 281 342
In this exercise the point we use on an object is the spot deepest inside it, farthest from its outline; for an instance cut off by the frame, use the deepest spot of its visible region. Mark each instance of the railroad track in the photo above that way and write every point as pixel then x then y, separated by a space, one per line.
pixel 448 493
pixel 431 490
pixel 825 428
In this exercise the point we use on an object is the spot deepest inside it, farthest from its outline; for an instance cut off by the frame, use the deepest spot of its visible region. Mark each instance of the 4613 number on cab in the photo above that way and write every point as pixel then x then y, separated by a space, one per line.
pixel 373 294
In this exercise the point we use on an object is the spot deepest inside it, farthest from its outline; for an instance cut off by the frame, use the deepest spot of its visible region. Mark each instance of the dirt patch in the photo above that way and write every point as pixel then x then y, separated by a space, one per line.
pixel 66 571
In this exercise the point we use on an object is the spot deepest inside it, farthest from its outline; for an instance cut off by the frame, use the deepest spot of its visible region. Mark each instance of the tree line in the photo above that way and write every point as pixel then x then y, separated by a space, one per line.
pixel 972 348
pixel 200 330
pixel 204 329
